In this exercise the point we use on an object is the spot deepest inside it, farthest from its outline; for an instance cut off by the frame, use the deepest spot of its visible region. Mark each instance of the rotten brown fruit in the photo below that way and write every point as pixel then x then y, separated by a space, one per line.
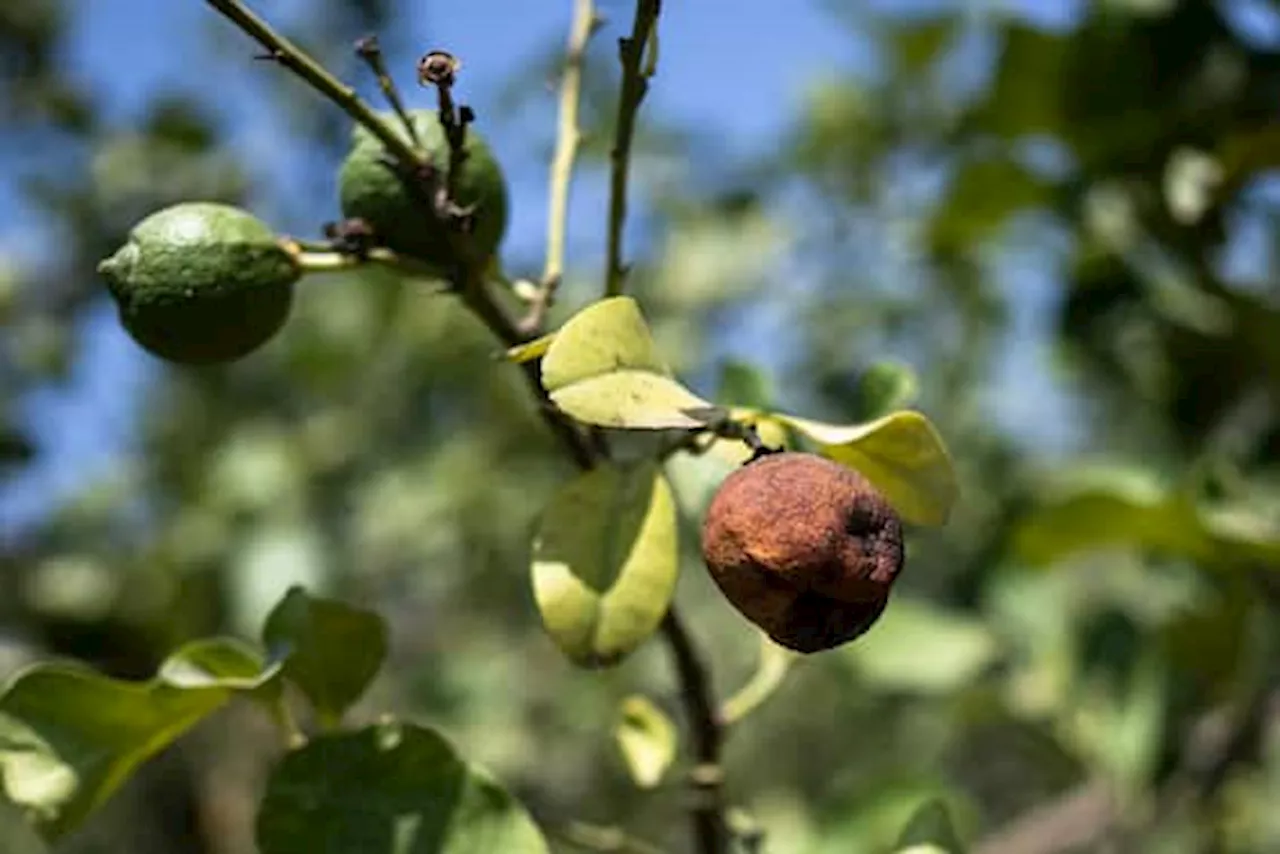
pixel 803 547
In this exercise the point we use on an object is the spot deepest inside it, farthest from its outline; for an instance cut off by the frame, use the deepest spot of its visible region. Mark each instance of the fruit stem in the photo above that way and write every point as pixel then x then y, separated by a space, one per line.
pixel 775 663
pixel 636 71
pixel 286 53
pixel 313 259
pixel 568 137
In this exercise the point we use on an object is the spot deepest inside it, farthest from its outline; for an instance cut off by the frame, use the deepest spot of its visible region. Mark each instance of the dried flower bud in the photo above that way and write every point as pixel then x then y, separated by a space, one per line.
pixel 438 68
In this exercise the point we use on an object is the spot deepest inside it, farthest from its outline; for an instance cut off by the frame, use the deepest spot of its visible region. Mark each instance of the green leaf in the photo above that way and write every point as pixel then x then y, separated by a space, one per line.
pixel 531 350
pixel 919 44
pixel 1119 507
pixel 1026 95
pixel 70 737
pixel 981 198
pixel 330 650
pixel 633 400
pixel 901 454
pixel 603 369
pixel 744 385
pixel 884 387
pixel 930 828
pixel 605 562
pixel 919 648
pixel 394 788
pixel 647 738
pixel 1126 513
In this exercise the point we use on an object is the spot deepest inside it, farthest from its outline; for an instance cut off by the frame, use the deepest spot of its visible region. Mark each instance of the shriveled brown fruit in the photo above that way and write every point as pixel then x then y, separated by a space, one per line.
pixel 805 548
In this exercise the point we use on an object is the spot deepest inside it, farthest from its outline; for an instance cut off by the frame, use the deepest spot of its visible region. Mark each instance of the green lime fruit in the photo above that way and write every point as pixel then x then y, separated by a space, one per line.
pixel 369 189
pixel 201 283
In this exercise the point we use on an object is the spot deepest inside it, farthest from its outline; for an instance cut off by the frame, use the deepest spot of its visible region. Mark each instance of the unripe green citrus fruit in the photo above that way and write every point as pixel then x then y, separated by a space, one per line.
pixel 201 283
pixel 369 189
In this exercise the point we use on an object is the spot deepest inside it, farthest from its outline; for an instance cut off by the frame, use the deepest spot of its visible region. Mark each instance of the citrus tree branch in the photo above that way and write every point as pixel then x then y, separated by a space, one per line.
pixel 281 50
pixel 710 830
pixel 635 84
pixel 709 825
pixel 568 137
pixel 479 299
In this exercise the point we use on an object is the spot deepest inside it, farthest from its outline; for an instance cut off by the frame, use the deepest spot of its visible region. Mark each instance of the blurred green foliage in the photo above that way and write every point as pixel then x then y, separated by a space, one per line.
pixel 1085 658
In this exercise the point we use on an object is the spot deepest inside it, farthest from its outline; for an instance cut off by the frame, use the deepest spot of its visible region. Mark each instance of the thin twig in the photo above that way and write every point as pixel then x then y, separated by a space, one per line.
pixel 370 51
pixel 470 282
pixel 710 831
pixel 286 53
pixel 478 298
pixel 635 84
pixel 568 138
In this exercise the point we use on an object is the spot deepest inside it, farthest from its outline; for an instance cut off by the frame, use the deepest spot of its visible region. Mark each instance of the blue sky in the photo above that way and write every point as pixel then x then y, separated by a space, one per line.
pixel 738 66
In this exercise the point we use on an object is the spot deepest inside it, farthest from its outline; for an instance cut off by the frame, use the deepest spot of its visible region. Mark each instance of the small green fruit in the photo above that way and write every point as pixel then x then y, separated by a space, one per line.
pixel 201 283
pixel 369 189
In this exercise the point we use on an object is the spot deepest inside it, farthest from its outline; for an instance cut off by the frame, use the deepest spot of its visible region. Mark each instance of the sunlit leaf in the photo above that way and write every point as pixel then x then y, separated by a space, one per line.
pixel 603 369
pixel 901 454
pixel 633 400
pixel 330 650
pixel 604 562
pixel 531 350
pixel 394 788
pixel 1191 181
pixel 930 829
pixel 70 737
pixel 920 648
pixel 646 736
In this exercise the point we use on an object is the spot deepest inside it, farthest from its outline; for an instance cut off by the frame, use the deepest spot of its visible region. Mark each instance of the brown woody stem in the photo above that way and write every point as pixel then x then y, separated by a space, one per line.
pixel 635 84
pixel 710 831
pixel 286 53
pixel 369 50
